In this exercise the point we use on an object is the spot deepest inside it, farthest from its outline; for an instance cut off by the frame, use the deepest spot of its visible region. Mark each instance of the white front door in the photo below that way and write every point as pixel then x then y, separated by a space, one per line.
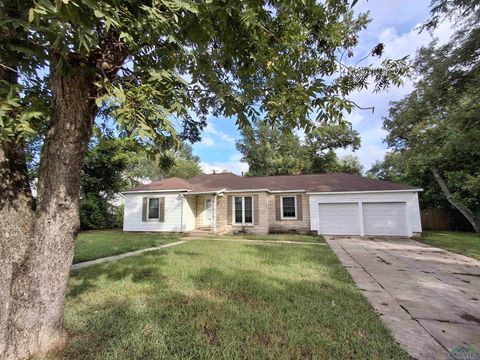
pixel 208 212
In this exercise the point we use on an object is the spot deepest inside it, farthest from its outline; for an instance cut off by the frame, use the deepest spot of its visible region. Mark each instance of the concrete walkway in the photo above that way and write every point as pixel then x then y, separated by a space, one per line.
pixel 184 240
pixel 259 241
pixel 124 255
pixel 429 298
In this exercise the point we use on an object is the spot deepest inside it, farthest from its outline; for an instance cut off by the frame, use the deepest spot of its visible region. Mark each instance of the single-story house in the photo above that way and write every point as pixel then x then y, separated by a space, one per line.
pixel 336 204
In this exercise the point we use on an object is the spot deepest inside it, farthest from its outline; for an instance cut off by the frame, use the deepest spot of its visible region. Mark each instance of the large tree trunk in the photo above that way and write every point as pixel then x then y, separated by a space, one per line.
pixel 466 212
pixel 35 281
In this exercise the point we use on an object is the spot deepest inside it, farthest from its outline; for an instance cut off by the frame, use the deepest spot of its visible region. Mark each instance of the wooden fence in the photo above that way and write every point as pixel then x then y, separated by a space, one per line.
pixel 435 219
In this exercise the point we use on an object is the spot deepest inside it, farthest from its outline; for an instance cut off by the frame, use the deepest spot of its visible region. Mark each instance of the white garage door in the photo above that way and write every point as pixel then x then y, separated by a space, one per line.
pixel 385 219
pixel 338 219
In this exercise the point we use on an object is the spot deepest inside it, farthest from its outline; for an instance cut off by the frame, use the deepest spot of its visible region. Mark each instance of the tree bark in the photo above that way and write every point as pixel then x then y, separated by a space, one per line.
pixel 466 212
pixel 35 281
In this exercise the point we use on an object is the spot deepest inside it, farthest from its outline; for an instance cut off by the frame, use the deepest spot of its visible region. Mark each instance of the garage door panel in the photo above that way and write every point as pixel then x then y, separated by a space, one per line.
pixel 339 219
pixel 387 218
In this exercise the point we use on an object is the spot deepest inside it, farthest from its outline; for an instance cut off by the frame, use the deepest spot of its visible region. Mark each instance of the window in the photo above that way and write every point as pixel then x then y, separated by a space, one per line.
pixel 289 207
pixel 248 213
pixel 153 208
pixel 243 208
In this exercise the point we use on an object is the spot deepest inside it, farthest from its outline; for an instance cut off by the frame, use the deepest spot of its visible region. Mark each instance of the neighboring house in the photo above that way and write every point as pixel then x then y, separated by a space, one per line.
pixel 337 204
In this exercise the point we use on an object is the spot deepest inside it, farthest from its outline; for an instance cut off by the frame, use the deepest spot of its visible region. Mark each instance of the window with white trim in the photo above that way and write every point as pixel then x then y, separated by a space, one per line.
pixel 153 208
pixel 289 207
pixel 243 210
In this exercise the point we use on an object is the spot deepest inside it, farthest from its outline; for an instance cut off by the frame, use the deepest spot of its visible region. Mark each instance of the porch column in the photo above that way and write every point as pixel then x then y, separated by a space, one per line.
pixel 214 213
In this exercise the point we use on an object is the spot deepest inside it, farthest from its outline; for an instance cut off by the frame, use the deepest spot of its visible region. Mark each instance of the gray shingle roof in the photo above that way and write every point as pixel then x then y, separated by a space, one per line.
pixel 335 182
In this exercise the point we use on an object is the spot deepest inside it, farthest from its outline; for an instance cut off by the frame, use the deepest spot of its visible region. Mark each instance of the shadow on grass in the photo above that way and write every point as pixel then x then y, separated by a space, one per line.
pixel 136 267
pixel 223 312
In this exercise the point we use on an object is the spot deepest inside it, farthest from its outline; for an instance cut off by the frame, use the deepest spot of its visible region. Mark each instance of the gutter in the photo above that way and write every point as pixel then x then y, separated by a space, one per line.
pixel 153 191
pixel 362 192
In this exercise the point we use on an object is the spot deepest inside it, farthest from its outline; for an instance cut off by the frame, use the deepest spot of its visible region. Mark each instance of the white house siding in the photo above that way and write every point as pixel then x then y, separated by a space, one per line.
pixel 189 213
pixel 176 212
pixel 409 198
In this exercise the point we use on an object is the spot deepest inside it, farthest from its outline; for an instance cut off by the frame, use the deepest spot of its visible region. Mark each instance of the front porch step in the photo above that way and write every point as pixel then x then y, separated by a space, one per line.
pixel 199 234
pixel 204 228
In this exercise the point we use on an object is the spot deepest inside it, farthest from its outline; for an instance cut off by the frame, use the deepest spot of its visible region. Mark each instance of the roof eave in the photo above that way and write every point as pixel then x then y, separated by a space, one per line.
pixel 153 191
pixel 360 191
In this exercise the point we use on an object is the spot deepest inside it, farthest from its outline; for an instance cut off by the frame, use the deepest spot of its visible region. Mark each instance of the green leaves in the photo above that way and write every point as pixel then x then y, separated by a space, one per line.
pixel 160 67
pixel 16 121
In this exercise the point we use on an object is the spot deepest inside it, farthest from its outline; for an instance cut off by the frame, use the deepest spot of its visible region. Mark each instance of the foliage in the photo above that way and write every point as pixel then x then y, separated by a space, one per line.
pixel 101 180
pixel 174 59
pixel 436 128
pixel 150 164
pixel 103 166
pixel 350 164
pixel 94 213
pixel 269 151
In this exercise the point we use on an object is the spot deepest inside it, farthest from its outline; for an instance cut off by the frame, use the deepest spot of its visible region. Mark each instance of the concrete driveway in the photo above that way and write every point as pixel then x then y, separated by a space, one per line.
pixel 429 298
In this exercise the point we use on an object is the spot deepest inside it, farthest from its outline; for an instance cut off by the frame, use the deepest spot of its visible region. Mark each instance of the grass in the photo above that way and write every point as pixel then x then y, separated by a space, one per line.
pixel 277 237
pixel 223 300
pixel 459 242
pixel 96 244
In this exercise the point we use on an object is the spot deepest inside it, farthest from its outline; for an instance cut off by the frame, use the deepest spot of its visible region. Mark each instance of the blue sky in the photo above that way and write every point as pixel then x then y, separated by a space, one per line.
pixel 393 23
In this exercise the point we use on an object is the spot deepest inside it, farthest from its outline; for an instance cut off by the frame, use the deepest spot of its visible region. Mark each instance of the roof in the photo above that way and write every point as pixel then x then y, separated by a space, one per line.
pixel 335 182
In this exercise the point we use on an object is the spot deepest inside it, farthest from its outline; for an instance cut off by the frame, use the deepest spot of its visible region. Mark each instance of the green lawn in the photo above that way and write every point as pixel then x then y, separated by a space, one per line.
pixel 223 300
pixel 96 244
pixel 277 237
pixel 459 242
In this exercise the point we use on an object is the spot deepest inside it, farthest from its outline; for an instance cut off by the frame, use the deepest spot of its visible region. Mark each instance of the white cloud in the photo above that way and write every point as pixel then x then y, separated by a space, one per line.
pixel 370 124
pixel 212 130
pixel 207 141
pixel 354 118
pixel 399 45
pixel 234 165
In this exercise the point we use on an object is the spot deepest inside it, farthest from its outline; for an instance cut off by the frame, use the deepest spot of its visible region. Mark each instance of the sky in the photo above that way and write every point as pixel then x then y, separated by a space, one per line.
pixel 394 23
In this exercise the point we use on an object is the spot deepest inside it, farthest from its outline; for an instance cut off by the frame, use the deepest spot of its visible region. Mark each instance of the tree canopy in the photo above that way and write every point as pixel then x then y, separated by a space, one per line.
pixel 155 62
pixel 269 151
pixel 153 70
pixel 436 128
pixel 150 163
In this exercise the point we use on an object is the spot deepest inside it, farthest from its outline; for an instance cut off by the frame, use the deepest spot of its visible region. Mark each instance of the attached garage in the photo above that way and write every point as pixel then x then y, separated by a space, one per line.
pixel 389 213
pixel 339 219
pixel 388 218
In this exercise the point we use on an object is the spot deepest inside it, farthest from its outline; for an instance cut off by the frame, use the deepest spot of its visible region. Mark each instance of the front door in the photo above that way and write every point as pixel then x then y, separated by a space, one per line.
pixel 208 212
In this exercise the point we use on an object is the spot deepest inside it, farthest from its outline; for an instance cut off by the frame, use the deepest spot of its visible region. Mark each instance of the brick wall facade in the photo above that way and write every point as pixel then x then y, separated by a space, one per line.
pixel 228 226
pixel 266 215
pixel 285 225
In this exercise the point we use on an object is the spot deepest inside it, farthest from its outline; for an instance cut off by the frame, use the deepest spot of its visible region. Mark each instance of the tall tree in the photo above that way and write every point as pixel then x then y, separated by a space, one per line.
pixel 147 63
pixel 270 151
pixel 102 179
pixel 350 164
pixel 437 126
pixel 150 163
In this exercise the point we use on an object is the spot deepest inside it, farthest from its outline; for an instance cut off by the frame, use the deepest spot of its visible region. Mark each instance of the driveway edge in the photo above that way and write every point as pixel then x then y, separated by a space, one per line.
pixel 406 330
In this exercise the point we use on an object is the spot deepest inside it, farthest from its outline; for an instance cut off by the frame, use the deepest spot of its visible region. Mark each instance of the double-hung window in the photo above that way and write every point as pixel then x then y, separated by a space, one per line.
pixel 243 210
pixel 289 210
pixel 153 208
